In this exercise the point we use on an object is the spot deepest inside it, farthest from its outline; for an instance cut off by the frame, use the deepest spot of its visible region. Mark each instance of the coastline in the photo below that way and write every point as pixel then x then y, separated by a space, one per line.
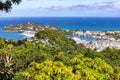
pixel 95 40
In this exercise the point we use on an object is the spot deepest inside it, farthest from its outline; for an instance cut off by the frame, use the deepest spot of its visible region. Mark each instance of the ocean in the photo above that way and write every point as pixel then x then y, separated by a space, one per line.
pixel 67 23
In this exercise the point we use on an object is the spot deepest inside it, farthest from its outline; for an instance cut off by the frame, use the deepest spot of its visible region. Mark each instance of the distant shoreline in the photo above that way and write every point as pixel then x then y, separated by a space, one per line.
pixel 65 23
pixel 70 23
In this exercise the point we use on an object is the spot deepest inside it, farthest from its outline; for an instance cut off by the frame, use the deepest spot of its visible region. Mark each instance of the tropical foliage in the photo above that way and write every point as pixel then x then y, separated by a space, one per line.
pixel 80 68
pixel 60 59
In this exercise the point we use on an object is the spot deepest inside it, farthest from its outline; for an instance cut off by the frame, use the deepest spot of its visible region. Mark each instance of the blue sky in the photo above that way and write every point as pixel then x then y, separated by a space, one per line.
pixel 66 8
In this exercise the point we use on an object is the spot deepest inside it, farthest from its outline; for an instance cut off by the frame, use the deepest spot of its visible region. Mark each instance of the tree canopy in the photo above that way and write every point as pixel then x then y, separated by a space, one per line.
pixel 6 5
pixel 63 60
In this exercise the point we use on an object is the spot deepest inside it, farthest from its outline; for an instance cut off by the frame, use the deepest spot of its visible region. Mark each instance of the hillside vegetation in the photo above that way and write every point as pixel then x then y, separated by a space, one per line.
pixel 53 56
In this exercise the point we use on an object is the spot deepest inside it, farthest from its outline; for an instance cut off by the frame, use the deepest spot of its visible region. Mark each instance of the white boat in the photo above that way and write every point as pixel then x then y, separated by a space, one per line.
pixel 28 33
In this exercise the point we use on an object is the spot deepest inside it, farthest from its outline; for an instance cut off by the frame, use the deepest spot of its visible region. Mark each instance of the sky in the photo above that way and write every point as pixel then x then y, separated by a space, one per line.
pixel 65 8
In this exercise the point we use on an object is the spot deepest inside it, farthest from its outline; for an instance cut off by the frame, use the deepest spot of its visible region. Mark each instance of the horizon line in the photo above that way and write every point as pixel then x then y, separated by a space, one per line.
pixel 60 16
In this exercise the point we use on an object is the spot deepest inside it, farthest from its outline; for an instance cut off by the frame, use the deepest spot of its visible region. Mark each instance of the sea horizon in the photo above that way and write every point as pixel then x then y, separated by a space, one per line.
pixel 59 17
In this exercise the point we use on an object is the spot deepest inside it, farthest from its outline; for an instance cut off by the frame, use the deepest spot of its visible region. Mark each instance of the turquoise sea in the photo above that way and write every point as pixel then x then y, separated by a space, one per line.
pixel 69 23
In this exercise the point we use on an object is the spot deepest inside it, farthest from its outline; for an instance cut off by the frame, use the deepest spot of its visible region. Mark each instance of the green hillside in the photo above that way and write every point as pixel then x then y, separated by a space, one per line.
pixel 53 56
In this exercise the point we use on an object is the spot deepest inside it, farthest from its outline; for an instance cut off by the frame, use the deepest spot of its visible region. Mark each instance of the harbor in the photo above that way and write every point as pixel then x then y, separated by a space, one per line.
pixel 100 39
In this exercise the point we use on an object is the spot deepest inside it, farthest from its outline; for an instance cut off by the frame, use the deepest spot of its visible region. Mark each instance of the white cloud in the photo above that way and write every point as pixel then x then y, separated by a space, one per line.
pixel 65 7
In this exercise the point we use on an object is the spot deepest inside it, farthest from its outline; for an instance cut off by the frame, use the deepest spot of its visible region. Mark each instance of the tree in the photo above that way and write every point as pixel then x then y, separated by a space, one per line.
pixel 47 70
pixel 6 5
pixel 6 63
pixel 58 40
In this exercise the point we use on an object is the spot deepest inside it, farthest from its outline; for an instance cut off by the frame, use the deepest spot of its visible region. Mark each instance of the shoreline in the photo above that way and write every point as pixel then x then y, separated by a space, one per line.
pixel 101 39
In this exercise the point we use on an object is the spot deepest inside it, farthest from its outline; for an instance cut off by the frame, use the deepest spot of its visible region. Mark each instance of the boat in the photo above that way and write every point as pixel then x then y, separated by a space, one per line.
pixel 28 33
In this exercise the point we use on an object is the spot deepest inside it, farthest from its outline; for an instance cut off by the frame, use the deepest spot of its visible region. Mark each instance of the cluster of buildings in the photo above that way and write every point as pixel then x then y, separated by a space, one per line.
pixel 101 39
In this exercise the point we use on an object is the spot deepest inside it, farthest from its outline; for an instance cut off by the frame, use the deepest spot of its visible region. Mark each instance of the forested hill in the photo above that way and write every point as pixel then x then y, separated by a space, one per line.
pixel 53 56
